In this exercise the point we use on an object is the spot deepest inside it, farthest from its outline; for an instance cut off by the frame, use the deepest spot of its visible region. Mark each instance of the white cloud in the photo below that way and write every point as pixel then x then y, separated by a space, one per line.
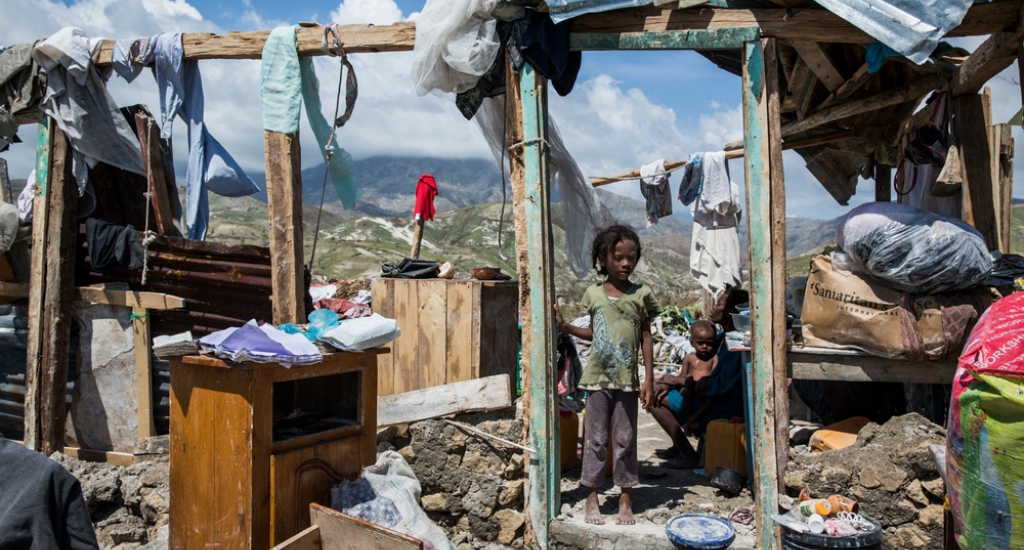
pixel 375 12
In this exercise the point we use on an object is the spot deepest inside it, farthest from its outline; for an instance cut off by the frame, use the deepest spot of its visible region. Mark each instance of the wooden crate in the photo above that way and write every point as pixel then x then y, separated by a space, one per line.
pixel 452 330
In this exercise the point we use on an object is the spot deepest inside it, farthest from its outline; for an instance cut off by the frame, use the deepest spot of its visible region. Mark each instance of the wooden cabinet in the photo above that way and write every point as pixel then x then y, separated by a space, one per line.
pixel 452 330
pixel 252 444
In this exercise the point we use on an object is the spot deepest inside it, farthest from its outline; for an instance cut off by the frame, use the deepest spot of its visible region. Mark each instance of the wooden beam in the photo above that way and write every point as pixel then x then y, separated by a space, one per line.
pixel 156 175
pixel 973 138
pixel 397 37
pixel 813 141
pixel 818 61
pixel 6 195
pixel 681 39
pixel 34 350
pixel 58 307
pixel 860 368
pixel 848 88
pixel 1004 159
pixel 766 218
pixel 94 295
pixel 996 53
pixel 143 372
pixel 284 203
pixel 910 92
pixel 340 531
pixel 109 457
pixel 482 394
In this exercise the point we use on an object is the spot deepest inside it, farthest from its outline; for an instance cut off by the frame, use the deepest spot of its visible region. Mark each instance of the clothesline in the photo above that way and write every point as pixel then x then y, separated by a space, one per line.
pixel 635 174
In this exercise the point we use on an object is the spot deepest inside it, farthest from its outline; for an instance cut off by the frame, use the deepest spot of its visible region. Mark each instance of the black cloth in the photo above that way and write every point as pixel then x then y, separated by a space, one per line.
pixel 545 47
pixel 113 245
pixel 41 504
pixel 410 268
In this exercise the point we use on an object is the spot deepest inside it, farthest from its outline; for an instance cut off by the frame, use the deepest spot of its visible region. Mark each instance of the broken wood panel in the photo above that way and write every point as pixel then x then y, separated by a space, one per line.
pixel 37 288
pixel 482 394
pixel 406 357
pixel 459 349
pixel 58 305
pixel 796 86
pixel 156 176
pixel 910 92
pixel 848 88
pixel 976 155
pixel 996 53
pixel 384 304
pixel 339 531
pixel 761 386
pixel 432 332
pixel 307 539
pixel 860 368
pixel 143 349
pixel 820 63
pixel 284 202
pixel 498 339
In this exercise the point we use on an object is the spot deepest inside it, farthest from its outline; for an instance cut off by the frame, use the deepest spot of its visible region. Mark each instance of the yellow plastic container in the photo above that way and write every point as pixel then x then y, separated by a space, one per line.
pixel 837 436
pixel 570 425
pixel 725 447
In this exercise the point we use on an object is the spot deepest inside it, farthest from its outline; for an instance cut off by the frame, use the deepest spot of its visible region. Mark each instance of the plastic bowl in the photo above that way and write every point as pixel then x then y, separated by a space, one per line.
pixel 742 322
pixel 700 531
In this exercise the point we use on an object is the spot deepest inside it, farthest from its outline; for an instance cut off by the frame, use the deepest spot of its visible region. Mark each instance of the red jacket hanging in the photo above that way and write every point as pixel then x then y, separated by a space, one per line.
pixel 426 190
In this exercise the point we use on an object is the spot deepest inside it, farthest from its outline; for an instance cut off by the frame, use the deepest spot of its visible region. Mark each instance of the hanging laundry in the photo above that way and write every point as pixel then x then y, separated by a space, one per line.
pixel 456 43
pixel 22 82
pixel 693 178
pixel 718 203
pixel 426 190
pixel 877 54
pixel 714 245
pixel 78 101
pixel 26 198
pixel 655 189
pixel 545 47
pixel 288 80
pixel 112 245
pixel 122 62
pixel 8 129
pixel 210 167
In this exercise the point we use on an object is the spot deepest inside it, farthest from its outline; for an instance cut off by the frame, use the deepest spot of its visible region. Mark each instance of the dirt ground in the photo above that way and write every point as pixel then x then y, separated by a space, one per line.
pixel 663 492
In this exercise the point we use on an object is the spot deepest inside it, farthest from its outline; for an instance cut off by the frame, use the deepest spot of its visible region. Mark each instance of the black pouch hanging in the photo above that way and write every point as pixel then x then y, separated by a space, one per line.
pixel 410 268
pixel 927 145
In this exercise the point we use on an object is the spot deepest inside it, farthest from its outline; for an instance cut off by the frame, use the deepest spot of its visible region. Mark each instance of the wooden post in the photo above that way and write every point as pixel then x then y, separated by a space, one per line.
pixel 417 238
pixel 969 123
pixel 284 201
pixel 766 219
pixel 883 183
pixel 37 287
pixel 526 105
pixel 1003 157
pixel 48 370
pixel 156 176
pixel 6 195
pixel 143 372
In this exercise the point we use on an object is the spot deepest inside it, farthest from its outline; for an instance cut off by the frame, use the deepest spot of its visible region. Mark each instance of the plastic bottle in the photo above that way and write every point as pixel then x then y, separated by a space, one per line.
pixel 817 506
pixel 816 524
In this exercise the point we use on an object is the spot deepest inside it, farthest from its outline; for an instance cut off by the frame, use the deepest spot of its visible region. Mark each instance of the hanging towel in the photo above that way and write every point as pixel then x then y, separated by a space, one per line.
pixel 718 203
pixel 77 100
pixel 693 177
pixel 426 190
pixel 210 167
pixel 121 60
pixel 287 81
pixel 654 186
pixel 545 47
pixel 715 258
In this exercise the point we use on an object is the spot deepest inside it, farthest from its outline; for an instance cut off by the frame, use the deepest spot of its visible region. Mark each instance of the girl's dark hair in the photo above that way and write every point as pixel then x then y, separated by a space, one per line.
pixel 605 242
pixel 735 297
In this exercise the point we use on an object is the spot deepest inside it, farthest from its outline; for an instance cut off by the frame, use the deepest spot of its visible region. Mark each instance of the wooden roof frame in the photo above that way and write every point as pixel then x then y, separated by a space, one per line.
pixel 646 28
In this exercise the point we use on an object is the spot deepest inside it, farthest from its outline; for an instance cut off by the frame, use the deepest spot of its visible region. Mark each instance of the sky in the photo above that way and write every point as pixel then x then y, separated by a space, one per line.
pixel 627 108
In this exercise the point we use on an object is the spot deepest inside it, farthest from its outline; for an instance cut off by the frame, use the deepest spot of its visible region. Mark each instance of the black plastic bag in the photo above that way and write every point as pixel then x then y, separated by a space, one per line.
pixel 410 268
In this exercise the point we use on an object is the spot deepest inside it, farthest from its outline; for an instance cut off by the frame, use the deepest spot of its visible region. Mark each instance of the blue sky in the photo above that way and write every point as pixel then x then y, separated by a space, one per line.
pixel 628 108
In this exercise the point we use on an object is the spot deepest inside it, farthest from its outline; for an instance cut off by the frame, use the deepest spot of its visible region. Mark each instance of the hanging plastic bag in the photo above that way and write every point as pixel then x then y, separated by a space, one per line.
pixel 456 42
pixel 950 179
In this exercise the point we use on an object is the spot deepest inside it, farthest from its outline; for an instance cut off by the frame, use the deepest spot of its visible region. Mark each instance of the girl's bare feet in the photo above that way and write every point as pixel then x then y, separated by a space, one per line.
pixel 626 508
pixel 670 452
pixel 593 512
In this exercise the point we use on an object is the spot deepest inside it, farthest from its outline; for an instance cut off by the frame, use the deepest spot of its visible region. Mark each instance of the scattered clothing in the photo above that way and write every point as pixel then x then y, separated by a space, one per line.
pixel 656 191
pixel 113 245
pixel 262 344
pixel 426 190
pixel 41 503
pixel 78 101
pixel 545 47
pixel 616 409
pixel 617 336
pixel 693 178
pixel 346 309
pixel 210 167
pixel 319 292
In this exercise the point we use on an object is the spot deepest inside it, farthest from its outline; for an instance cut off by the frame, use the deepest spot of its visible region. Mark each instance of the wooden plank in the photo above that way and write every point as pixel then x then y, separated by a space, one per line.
pixel 796 84
pixel 1005 160
pixel 95 295
pixel 482 394
pixel 815 366
pixel 757 137
pixel 108 457
pixel 853 84
pixel 143 372
pixel 384 304
pixel 343 532
pixel 6 195
pixel 996 53
pixel 307 539
pixel 397 37
pixel 432 332
pixel 284 203
pixel 459 346
pixel 58 305
pixel 498 338
pixel 40 208
pixel 819 63
pixel 813 141
pixel 407 316
pixel 815 25
pixel 903 94
pixel 683 39
pixel 976 155
pixel 156 175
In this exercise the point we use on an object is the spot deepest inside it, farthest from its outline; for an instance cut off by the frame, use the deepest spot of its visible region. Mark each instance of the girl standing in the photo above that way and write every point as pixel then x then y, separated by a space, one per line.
pixel 620 313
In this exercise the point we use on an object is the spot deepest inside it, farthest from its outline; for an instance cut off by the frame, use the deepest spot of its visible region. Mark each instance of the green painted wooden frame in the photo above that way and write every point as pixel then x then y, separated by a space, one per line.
pixel 691 39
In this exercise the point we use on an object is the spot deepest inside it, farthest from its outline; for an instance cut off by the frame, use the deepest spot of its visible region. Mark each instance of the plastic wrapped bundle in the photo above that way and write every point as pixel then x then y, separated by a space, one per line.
pixel 914 250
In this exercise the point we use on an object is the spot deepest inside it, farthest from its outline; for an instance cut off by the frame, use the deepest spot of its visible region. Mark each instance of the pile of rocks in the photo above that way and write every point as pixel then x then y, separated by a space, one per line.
pixel 128 505
pixel 472 486
pixel 889 471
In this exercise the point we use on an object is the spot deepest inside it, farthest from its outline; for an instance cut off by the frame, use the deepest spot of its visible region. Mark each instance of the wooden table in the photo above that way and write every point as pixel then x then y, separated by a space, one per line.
pixel 242 473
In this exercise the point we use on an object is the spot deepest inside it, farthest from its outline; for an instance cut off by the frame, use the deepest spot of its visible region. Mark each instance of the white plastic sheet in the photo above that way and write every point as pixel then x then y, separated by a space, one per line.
pixel 456 42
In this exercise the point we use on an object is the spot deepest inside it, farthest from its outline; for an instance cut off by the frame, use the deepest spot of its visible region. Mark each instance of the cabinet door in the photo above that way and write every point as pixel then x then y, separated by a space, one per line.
pixel 307 475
